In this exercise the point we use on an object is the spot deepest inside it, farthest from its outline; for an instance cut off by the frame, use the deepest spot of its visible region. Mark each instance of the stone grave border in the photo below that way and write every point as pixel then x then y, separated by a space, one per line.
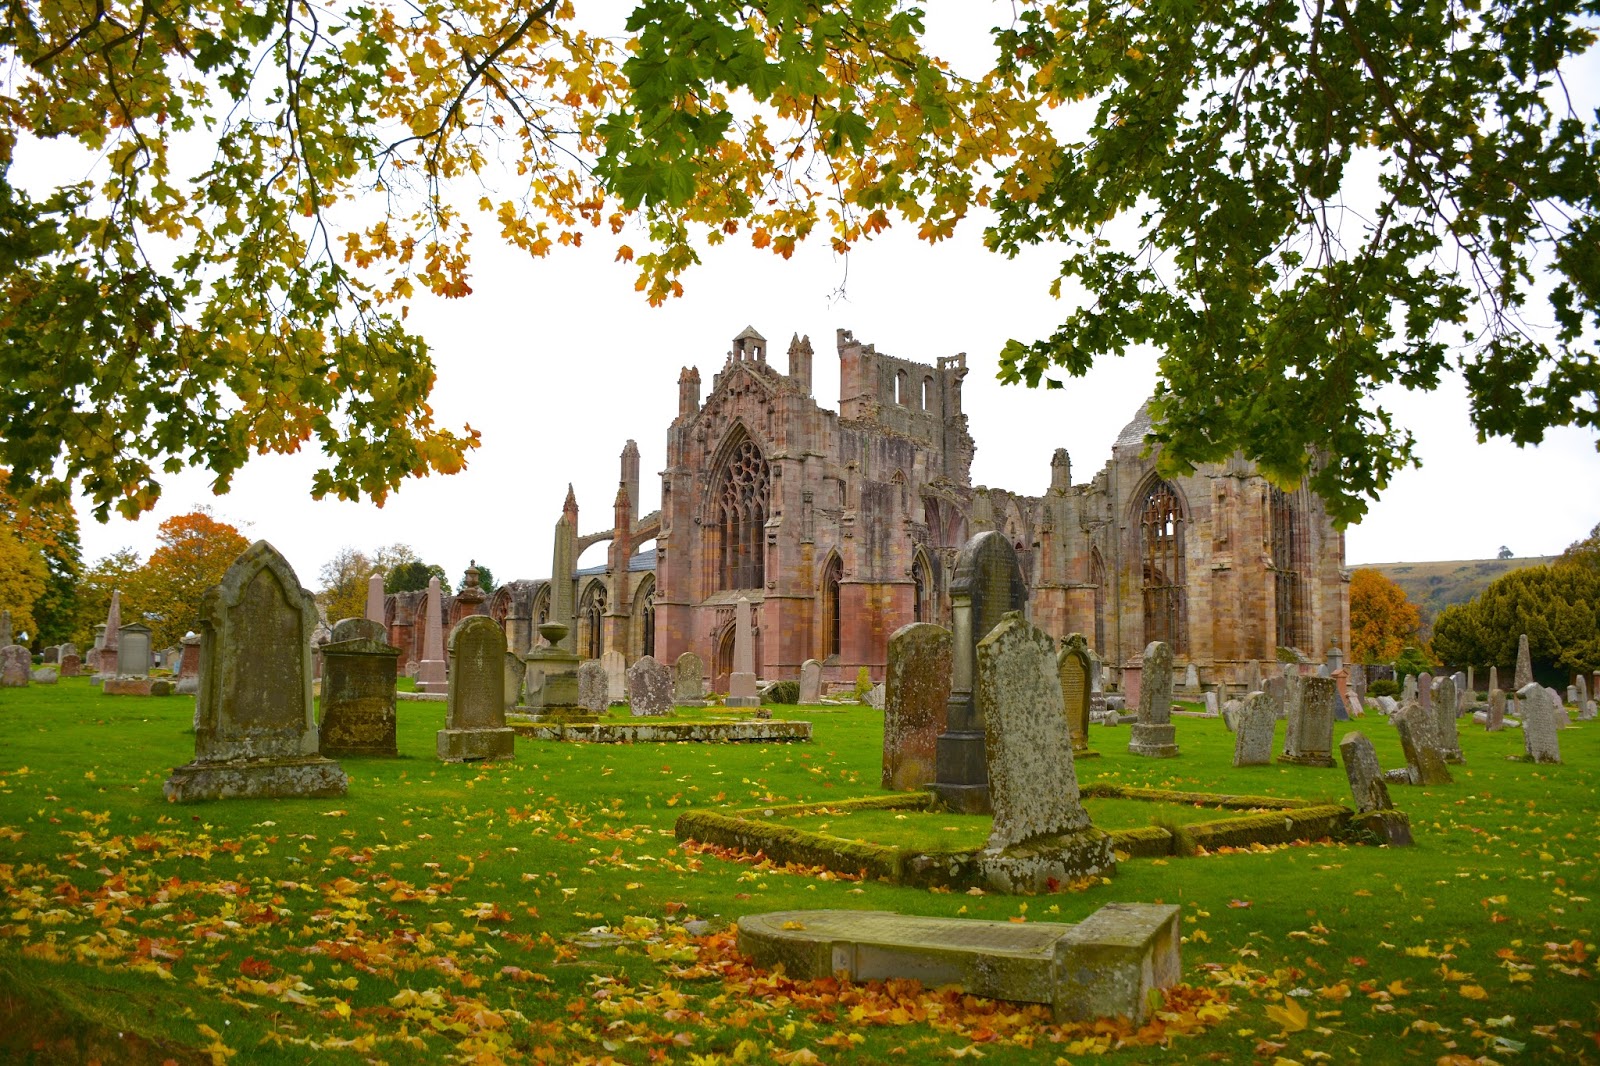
pixel 739 731
pixel 1272 820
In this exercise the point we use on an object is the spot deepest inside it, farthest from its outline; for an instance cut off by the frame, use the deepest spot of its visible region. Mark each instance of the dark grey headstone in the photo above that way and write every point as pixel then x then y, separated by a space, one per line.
pixel 475 716
pixel 359 669
pixel 1308 740
pixel 1073 667
pixel 1418 740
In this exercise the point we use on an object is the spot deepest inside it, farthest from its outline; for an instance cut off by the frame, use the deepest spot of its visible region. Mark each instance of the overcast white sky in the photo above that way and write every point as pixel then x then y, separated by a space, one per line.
pixel 559 362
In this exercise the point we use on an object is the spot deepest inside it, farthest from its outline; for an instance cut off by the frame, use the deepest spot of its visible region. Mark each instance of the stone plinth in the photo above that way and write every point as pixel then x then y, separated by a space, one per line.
pixel 359 670
pixel 550 682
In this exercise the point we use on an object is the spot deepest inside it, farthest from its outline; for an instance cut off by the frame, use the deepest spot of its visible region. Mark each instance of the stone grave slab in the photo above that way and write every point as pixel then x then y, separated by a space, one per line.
pixel 1154 735
pixel 688 681
pixel 1374 810
pixel 1446 709
pixel 1541 724
pixel 649 688
pixel 475 719
pixel 359 669
pixel 916 693
pixel 1252 738
pixel 1308 740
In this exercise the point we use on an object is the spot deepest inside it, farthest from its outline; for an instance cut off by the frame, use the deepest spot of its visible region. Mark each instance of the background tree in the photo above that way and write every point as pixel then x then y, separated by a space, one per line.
pixel 1382 620
pixel 194 551
pixel 47 529
pixel 1585 552
pixel 119 570
pixel 23 575
pixel 343 592
pixel 1504 553
pixel 1558 606
pixel 413 576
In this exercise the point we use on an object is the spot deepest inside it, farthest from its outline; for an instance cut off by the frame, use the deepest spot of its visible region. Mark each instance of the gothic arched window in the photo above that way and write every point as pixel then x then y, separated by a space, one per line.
pixel 832 572
pixel 741 502
pixel 1097 574
pixel 920 589
pixel 647 617
pixel 1161 525
pixel 1288 568
pixel 593 615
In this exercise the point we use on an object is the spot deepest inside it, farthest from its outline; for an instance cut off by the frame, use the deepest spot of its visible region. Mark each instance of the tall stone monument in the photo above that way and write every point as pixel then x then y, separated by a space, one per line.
pixel 1154 735
pixel 359 669
pixel 1445 706
pixel 475 720
pixel 255 722
pixel 987 585
pixel 1073 668
pixel 1524 675
pixel 742 679
pixel 431 671
pixel 375 598
pixel 916 696
pixel 106 664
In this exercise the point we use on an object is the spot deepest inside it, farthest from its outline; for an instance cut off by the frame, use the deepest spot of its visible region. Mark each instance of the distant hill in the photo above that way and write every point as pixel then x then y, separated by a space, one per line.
pixel 1435 586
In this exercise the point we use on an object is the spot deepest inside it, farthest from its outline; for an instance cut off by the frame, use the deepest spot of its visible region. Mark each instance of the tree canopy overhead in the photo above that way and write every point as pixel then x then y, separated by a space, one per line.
pixel 1295 204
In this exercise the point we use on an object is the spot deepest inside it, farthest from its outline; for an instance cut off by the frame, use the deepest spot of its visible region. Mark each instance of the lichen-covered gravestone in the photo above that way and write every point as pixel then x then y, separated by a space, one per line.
pixel 649 688
pixel 616 668
pixel 1419 741
pixel 1252 738
pixel 1073 668
pixel 810 681
pixel 1445 705
pixel 688 681
pixel 475 720
pixel 593 688
pixel 1541 724
pixel 359 670
pixel 1154 734
pixel 1524 672
pixel 916 692
pixel 1374 810
pixel 1308 740
pixel 255 723
pixel 1496 718
pixel 71 661
pixel 16 666
pixel 1041 833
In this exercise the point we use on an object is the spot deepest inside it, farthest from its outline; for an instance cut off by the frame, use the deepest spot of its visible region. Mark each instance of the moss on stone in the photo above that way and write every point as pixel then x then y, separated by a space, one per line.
pixel 1307 823
pixel 1221 800
pixel 1145 842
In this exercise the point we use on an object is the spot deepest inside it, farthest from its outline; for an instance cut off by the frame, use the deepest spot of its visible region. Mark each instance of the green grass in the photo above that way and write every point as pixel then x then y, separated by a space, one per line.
pixel 427 914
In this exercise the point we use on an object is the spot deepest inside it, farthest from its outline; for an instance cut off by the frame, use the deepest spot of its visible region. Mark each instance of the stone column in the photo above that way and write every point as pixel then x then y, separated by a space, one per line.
pixel 375 601
pixel 431 670
pixel 742 681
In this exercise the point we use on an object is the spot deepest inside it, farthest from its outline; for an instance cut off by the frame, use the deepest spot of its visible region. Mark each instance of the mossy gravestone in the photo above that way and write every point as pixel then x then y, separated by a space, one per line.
pixel 1374 811
pixel 649 688
pixel 1073 667
pixel 255 723
pixel 359 669
pixel 1424 761
pixel 1041 833
pixel 1252 740
pixel 1153 735
pixel 475 722
pixel 688 685
pixel 1542 719
pixel 1446 702
pixel 916 692
pixel 1308 740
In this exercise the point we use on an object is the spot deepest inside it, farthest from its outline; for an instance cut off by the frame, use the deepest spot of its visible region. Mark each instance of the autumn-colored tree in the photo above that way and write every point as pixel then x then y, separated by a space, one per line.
pixel 117 571
pixel 1557 606
pixel 23 575
pixel 47 531
pixel 1382 620
pixel 343 592
pixel 195 551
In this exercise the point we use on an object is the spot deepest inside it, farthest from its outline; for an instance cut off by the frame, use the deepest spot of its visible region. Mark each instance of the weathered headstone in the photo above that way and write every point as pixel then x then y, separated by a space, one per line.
pixel 1352 706
pixel 1277 688
pixel 1424 694
pixel 71 662
pixel 1072 666
pixel 43 675
pixel 1252 680
pixel 189 665
pixel 1033 785
pixel 1231 712
pixel 359 669
pixel 1541 724
pixel 1213 707
pixel 1582 698
pixel 1132 680
pixel 106 664
pixel 742 679
pixel 475 717
pixel 1444 717
pixel 811 681
pixel 1424 764
pixel 616 668
pixel 875 696
pixel 16 666
pixel 987 584
pixel 916 694
pixel 375 600
pixel 1388 705
pixel 133 650
pixel 688 681
pixel 1191 678
pixel 1097 690
pixel 593 689
pixel 649 688
pixel 6 636
pixel 1374 810
pixel 1252 735
pixel 52 655
pixel 1408 690
pixel 1308 740
pixel 1154 734
pixel 1496 719
pixel 516 671
pixel 1524 671
pixel 1358 679
pixel 255 722
pixel 431 671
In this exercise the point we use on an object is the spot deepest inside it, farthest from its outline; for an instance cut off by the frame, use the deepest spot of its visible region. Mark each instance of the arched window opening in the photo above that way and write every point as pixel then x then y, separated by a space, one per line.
pixel 742 501
pixel 927 394
pixel 831 575
pixel 920 586
pixel 647 613
pixel 1288 568
pixel 593 614
pixel 1161 535
pixel 902 388
pixel 1097 574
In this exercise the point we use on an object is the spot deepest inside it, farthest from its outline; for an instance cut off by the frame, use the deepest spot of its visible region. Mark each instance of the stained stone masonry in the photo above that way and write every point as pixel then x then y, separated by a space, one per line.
pixel 475 722
pixel 649 688
pixel 916 692
pixel 1252 741
pixel 1154 734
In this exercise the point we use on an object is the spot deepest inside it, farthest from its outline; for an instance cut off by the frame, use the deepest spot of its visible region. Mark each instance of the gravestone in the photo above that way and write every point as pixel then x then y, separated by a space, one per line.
pixel 1462 688
pixel 1358 679
pixel 1572 694
pixel 1252 735
pixel 1191 678
pixel 1132 680
pixel 987 585
pixel 106 663
pixel 1097 690
pixel 1154 734
pixel 811 681
pixel 1388 705
pixel 616 668
pixel 1252 681
pixel 875 696
pixel 43 675
pixel 133 650
pixel 16 666
pixel 1308 740
pixel 916 692
pixel 432 674
pixel 1072 667
pixel 688 685
pixel 1230 714
pixel 649 688
pixel 1524 672
pixel 255 722
pixel 1352 706
pixel 593 688
pixel 1424 694
pixel 375 598
pixel 516 671
pixel 1424 764
pixel 6 636
pixel 189 665
pixel 1581 700
pixel 1374 810
pixel 1541 724
pixel 1033 785
pixel 71 662
pixel 359 669
pixel 1213 706
pixel 1277 688
pixel 550 680
pixel 1444 717
pixel 1408 690
pixel 1496 719
pixel 742 679
pixel 52 655
pixel 475 717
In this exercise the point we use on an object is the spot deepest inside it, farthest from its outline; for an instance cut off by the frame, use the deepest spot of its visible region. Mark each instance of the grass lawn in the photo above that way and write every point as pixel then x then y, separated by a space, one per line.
pixel 533 910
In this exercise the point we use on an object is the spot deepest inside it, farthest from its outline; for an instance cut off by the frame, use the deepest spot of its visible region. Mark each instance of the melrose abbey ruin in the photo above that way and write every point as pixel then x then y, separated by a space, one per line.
pixel 841 527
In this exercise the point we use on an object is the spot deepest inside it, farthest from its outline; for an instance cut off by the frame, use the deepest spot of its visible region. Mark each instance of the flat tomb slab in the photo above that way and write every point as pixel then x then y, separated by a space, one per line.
pixel 757 731
pixel 1102 967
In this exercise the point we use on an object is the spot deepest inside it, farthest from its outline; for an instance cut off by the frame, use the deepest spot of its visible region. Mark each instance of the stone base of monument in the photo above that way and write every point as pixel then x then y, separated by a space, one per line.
pixel 1391 827
pixel 187 686
pixel 556 715
pixel 1086 753
pixel 136 686
pixel 963 799
pixel 1046 864
pixel 1154 741
pixel 1309 758
pixel 311 777
pixel 1105 966
pixel 476 745
pixel 1453 755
